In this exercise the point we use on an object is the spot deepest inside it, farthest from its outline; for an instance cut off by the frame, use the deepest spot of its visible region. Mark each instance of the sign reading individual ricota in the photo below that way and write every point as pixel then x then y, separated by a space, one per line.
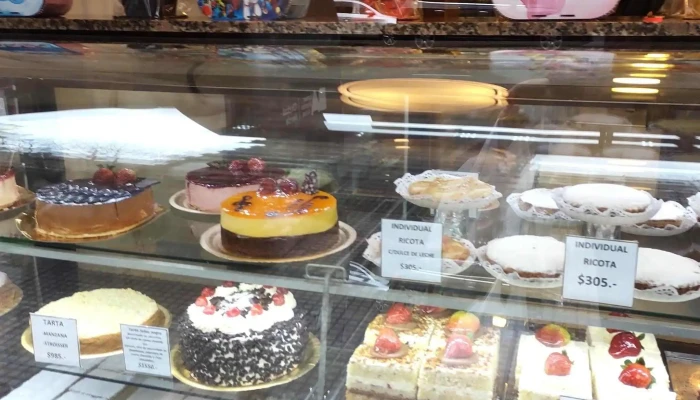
pixel 55 340
pixel 411 250
pixel 600 271
pixel 146 349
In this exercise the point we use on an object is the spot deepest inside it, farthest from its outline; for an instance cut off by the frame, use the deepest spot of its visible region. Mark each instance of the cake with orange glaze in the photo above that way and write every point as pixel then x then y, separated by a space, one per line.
pixel 280 219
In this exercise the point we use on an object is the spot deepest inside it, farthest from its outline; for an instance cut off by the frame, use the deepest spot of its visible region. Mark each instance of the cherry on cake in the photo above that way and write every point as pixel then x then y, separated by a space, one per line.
pixel 280 219
pixel 538 199
pixel 384 369
pixel 241 335
pixel 206 188
pixel 605 196
pixel 412 329
pixel 463 366
pixel 109 203
pixel 9 192
pixel 100 313
pixel 658 268
pixel 528 256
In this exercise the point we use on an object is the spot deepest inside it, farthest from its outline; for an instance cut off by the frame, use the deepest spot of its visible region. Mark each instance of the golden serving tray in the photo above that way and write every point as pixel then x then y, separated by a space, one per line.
pixel 28 343
pixel 211 242
pixel 309 359
pixel 26 224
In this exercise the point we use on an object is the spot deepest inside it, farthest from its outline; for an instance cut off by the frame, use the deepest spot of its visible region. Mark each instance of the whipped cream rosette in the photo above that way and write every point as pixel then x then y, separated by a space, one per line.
pixel 672 219
pixel 538 206
pixel 452 247
pixel 606 204
pixel 446 192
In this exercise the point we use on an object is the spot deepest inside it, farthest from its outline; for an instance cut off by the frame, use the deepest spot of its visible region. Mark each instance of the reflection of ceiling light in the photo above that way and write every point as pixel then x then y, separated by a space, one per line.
pixel 652 66
pixel 402 147
pixel 598 166
pixel 499 321
pixel 637 81
pixel 634 90
pixel 423 95
pixel 647 75
pixel 645 135
pixel 658 56
pixel 401 140
pixel 643 143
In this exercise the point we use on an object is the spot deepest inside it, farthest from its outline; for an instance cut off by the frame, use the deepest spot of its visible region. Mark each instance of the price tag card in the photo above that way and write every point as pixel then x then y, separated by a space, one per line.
pixel 55 340
pixel 146 349
pixel 411 250
pixel 600 271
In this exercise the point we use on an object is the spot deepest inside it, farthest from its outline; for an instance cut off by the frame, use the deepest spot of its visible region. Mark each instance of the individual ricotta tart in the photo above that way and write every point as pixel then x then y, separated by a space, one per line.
pixel 452 188
pixel 412 329
pixel 605 196
pixel 241 335
pixel 629 378
pixel 280 219
pixel 206 188
pixel 670 214
pixel 538 199
pixel 658 268
pixel 464 367
pixel 384 369
pixel 546 373
pixel 9 192
pixel 100 313
pixel 107 204
pixel 528 256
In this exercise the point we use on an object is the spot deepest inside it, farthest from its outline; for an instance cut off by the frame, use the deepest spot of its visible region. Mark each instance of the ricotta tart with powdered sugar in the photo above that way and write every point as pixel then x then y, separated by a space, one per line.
pixel 529 256
pixel 241 334
pixel 657 268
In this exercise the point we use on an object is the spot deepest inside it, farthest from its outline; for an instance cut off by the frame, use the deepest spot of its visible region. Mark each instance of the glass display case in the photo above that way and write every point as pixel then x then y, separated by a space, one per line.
pixel 294 221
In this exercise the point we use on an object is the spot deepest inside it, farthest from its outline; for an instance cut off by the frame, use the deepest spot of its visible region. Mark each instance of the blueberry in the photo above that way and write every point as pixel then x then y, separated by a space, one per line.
pixel 254 300
pixel 103 199
pixel 62 186
pixel 92 199
pixel 80 199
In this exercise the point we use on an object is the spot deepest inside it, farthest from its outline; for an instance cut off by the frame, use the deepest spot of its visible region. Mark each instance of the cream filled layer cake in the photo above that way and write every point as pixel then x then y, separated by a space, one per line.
pixel 9 193
pixel 411 328
pixel 241 334
pixel 280 220
pixel 464 368
pixel 99 314
pixel 529 256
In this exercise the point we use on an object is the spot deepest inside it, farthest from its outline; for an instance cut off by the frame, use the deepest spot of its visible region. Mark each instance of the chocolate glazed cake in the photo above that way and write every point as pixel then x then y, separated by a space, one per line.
pixel 240 335
pixel 280 220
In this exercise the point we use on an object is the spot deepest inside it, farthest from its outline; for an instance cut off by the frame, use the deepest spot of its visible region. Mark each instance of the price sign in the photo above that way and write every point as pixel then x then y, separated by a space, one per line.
pixel 146 349
pixel 411 250
pixel 600 271
pixel 55 340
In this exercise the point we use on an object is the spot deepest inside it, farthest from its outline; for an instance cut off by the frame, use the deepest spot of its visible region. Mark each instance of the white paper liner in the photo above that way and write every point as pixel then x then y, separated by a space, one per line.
pixel 665 294
pixel 688 220
pixel 373 253
pixel 513 278
pixel 535 216
pixel 611 216
pixel 404 182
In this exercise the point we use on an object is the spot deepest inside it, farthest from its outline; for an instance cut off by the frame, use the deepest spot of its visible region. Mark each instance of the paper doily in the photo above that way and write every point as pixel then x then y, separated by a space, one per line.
pixel 611 216
pixel 665 294
pixel 694 203
pixel 405 181
pixel 535 216
pixel 688 220
pixel 514 278
pixel 373 253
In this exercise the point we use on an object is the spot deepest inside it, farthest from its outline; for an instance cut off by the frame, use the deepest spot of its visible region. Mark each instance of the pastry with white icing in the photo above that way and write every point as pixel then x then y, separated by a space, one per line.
pixel 656 268
pixel 528 256
pixel 241 335
pixel 100 313
pixel 605 196
pixel 670 213
pixel 538 199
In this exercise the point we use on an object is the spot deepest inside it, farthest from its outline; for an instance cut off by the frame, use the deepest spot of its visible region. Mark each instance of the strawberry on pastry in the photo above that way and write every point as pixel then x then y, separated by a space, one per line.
pixel 626 344
pixel 388 342
pixel 553 335
pixel 398 314
pixel 558 364
pixel 636 374
pixel 124 176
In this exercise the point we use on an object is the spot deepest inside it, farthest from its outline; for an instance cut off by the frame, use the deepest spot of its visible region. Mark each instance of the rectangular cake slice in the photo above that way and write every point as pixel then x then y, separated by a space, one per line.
pixel 600 337
pixel 474 380
pixel 370 377
pixel 415 335
pixel 606 377
pixel 535 384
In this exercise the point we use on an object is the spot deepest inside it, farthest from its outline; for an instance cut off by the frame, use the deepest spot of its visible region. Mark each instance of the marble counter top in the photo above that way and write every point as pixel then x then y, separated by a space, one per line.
pixel 490 26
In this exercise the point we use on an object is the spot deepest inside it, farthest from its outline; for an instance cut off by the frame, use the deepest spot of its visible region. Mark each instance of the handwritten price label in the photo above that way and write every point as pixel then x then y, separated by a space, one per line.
pixel 146 349
pixel 411 250
pixel 55 340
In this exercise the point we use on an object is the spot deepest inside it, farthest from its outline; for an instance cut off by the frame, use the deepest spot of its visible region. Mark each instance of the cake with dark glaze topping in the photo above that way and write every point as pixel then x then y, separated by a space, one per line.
pixel 280 220
pixel 208 187
pixel 241 335
pixel 105 205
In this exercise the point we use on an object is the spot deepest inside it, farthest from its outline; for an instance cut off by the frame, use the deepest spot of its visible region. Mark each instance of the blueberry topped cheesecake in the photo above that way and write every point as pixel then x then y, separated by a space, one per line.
pixel 241 335
pixel 107 204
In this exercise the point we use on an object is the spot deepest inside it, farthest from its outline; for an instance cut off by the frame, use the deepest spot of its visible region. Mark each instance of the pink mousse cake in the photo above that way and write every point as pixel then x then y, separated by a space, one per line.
pixel 208 187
